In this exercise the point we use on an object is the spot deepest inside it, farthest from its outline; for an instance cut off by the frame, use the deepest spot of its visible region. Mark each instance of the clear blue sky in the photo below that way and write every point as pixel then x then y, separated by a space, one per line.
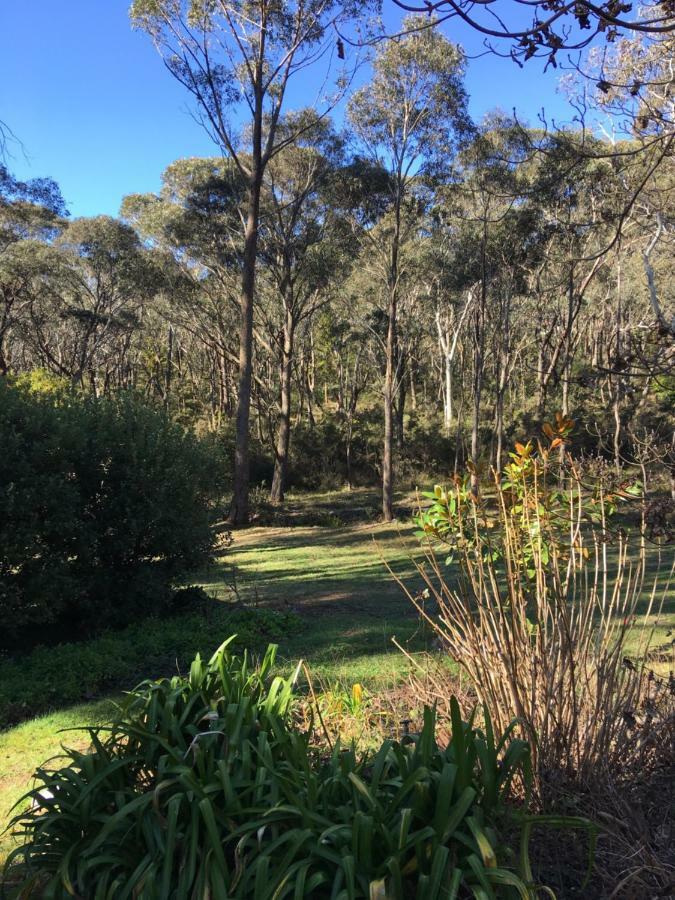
pixel 95 108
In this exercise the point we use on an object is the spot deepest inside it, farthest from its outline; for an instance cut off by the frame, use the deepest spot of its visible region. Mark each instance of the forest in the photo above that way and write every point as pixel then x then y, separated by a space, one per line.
pixel 383 385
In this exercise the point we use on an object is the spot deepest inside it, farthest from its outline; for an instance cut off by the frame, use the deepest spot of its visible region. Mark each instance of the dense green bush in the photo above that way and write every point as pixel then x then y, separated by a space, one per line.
pixel 319 453
pixel 202 788
pixel 103 504
pixel 425 449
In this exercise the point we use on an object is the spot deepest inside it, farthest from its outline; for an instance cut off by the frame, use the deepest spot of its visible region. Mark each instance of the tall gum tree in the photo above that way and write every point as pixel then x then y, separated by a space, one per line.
pixel 304 246
pixel 32 209
pixel 407 119
pixel 236 58
pixel 196 220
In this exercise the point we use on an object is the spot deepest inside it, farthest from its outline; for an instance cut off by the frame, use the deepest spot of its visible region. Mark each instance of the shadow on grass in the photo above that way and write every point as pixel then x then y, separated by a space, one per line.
pixel 318 570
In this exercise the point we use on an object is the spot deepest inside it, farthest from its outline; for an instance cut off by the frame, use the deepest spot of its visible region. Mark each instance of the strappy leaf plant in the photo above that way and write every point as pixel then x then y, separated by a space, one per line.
pixel 203 787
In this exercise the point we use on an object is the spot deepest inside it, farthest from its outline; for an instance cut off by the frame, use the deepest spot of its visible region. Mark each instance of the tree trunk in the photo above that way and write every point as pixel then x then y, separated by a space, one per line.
pixel 400 407
pixel 479 348
pixel 284 426
pixel 503 377
pixel 567 361
pixel 499 431
pixel 348 454
pixel 446 384
pixel 387 452
pixel 447 406
pixel 239 508
pixel 169 367
pixel 616 404
pixel 310 381
pixel 475 419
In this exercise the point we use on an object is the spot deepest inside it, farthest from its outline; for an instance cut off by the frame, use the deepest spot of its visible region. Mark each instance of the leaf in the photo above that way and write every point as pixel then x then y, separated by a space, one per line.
pixel 362 789
pixel 486 849
pixel 377 890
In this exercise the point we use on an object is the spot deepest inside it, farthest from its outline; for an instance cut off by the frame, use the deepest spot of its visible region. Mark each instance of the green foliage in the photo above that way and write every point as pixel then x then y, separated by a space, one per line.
pixel 103 504
pixel 55 677
pixel 201 787
pixel 318 458
pixel 35 203
pixel 425 450
pixel 41 381
pixel 535 500
pixel 414 108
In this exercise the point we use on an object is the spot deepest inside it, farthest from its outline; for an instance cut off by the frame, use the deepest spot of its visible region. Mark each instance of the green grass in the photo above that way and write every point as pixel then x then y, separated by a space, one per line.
pixel 333 578
pixel 27 746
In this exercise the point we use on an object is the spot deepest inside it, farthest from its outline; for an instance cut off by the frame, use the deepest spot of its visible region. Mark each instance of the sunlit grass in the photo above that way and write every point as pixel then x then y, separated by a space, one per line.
pixel 29 745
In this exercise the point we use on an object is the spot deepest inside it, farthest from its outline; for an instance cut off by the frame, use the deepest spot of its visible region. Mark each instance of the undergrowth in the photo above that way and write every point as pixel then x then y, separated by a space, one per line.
pixel 55 677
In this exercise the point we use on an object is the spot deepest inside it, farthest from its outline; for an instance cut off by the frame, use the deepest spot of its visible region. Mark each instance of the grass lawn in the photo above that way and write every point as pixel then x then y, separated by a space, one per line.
pixel 24 748
pixel 334 578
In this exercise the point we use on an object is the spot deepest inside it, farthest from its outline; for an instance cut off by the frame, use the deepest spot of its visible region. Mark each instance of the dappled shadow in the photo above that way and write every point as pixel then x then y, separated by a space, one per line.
pixel 313 566
pixel 332 508
pixel 335 579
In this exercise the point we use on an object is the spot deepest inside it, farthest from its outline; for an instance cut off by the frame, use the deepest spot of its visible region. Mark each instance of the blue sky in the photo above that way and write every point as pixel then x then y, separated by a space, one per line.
pixel 95 108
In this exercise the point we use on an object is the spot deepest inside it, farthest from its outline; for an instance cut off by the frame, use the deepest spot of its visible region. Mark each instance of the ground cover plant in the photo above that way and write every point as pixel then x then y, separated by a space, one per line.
pixel 65 674
pixel 202 783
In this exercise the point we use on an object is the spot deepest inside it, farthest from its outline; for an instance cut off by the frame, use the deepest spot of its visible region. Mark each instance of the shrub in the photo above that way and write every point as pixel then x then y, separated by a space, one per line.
pixel 58 676
pixel 425 449
pixel 103 504
pixel 543 609
pixel 203 788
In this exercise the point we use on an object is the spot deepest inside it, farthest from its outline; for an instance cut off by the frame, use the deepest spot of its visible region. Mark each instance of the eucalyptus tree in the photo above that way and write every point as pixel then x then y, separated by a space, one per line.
pixel 576 193
pixel 625 91
pixel 237 59
pixel 407 120
pixel 85 293
pixel 28 210
pixel 195 219
pixel 304 245
pixel 633 86
pixel 348 361
pixel 505 230
pixel 447 296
